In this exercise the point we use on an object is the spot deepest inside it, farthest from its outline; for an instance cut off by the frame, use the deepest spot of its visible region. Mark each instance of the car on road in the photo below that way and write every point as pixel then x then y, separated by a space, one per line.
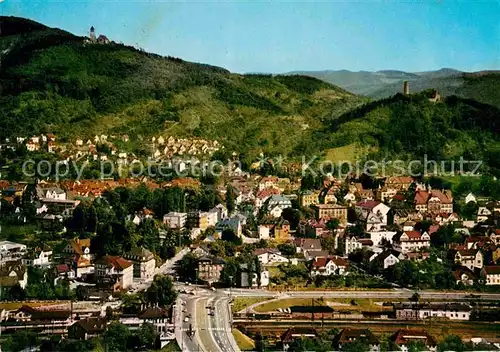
pixel 186 319
pixel 211 313
pixel 213 289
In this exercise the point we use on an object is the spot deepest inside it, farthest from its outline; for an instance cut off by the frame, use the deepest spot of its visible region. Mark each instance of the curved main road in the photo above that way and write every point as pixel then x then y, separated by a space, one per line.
pixel 212 333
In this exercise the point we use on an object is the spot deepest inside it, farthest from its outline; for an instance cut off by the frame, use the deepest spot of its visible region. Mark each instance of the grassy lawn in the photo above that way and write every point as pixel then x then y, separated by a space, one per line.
pixel 17 305
pixel 17 233
pixel 244 342
pixel 171 347
pixel 240 303
pixel 288 302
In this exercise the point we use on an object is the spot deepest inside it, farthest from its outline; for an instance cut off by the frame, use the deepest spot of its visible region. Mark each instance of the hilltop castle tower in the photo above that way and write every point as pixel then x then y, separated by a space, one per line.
pixel 406 88
pixel 92 34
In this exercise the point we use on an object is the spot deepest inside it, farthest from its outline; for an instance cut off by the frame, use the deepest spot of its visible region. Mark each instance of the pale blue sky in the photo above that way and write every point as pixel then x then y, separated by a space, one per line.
pixel 281 36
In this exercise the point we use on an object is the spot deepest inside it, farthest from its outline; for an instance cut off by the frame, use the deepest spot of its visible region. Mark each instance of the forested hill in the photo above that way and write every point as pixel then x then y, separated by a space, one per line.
pixel 481 86
pixel 414 126
pixel 52 81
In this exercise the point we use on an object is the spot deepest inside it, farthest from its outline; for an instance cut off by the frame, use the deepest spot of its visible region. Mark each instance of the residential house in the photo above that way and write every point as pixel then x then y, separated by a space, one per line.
pixel 197 219
pixel 233 223
pixel 331 211
pixel 87 328
pixel 64 271
pixel 297 333
pixel 351 244
pixel 263 195
pixel 409 241
pixel 378 237
pixel 385 193
pixel 308 198
pixel 118 268
pixel 470 198
pixel 372 214
pixel 483 214
pixel 221 211
pixel 464 276
pixel 328 196
pixel 210 268
pixel 268 182
pixel 38 257
pixel 434 201
pixel 251 279
pixel 387 258
pixel 143 261
pixel 314 228
pixel 276 204
pixel 200 250
pixel 470 258
pixel 13 273
pixel 491 274
pixel 269 256
pixel 350 198
pixel 362 193
pixel 175 220
pixel 156 316
pixel 50 192
pixel 348 335
pixel 420 311
pixel 403 337
pixel 308 245
pixel 401 183
pixel 11 251
pixel 333 265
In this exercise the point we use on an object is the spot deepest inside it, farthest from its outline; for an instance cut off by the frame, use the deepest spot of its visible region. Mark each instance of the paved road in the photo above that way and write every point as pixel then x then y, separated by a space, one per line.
pixel 211 333
pixel 167 268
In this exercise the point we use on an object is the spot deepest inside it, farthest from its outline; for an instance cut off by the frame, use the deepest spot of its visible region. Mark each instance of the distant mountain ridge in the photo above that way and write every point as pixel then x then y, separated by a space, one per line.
pixel 481 86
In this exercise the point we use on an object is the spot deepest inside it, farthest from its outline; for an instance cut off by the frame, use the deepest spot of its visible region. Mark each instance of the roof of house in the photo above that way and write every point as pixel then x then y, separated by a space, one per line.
pixel 492 269
pixel 367 204
pixel 113 261
pixel 350 335
pixel 295 332
pixel 92 325
pixel 211 260
pixel 260 251
pixel 413 235
pixel 154 313
pixel 45 314
pixel 78 244
pixel 310 243
pixel 404 336
pixel 62 268
pixel 422 197
pixel 139 254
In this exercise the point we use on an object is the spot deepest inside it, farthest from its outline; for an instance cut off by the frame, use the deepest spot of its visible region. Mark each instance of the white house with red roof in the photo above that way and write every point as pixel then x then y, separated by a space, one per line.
pixel 410 241
pixel 329 266
pixel 113 266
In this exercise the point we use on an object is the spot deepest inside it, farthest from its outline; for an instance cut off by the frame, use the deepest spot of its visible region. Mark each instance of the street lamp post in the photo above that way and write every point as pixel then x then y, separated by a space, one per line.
pixel 230 285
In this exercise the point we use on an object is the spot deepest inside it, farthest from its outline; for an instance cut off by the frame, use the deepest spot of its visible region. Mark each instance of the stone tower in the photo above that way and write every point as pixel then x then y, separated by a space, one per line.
pixel 92 34
pixel 406 88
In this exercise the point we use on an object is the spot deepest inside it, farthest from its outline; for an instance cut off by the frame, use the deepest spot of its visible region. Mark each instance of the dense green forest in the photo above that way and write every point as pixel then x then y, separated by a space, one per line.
pixel 52 81
pixel 408 127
